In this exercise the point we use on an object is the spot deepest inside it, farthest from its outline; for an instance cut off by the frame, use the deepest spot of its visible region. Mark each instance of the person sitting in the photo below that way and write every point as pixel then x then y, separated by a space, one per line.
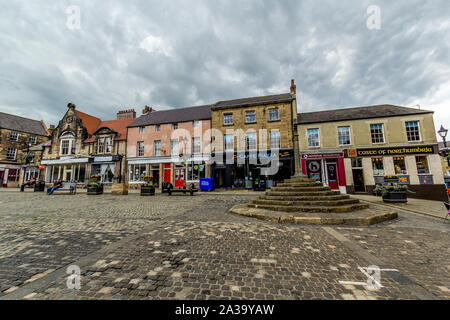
pixel 30 183
pixel 56 185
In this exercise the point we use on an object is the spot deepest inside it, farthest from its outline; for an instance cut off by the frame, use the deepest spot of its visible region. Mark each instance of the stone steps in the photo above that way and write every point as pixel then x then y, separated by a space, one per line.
pixel 301 198
pixel 312 209
pixel 300 189
pixel 315 203
pixel 302 194
pixel 300 180
pixel 298 184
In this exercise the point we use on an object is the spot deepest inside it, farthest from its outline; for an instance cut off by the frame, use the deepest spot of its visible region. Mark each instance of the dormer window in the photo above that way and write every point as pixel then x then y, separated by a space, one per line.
pixel 68 145
pixel 108 145
pixel 101 145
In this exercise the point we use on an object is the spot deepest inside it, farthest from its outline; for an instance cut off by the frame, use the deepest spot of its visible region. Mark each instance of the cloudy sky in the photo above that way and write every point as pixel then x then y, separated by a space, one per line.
pixel 169 54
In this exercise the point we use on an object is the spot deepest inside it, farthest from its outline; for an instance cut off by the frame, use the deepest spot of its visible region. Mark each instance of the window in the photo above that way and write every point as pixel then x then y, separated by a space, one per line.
pixel 12 153
pixel 65 147
pixel 377 133
pixel 413 131
pixel 228 119
pixel 14 136
pixel 101 145
pixel 157 128
pixel 141 129
pixel 32 140
pixel 137 172
pixel 140 148
pixel 195 123
pixel 196 145
pixel 400 165
pixel 422 165
pixel 74 146
pixel 344 136
pixel 378 167
pixel 174 147
pixel 250 116
pixel 313 138
pixel 275 139
pixel 357 163
pixel 229 142
pixel 274 114
pixel 175 126
pixel 108 145
pixel 195 171
pixel 158 148
pixel 251 141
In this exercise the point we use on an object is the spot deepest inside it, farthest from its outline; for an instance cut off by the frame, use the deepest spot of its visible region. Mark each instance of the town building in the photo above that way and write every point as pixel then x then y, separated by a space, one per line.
pixel 18 138
pixel 83 145
pixel 354 149
pixel 445 159
pixel 249 135
pixel 172 146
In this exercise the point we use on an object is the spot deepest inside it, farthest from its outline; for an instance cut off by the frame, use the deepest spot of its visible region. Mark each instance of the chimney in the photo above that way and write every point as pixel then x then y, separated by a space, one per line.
pixel 126 114
pixel 51 129
pixel 147 110
pixel 293 87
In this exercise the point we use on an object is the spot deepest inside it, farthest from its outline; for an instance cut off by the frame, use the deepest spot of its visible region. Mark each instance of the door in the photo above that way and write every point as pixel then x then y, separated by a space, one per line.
pixel 179 178
pixel 358 180
pixel 332 175
pixel 2 176
pixel 167 172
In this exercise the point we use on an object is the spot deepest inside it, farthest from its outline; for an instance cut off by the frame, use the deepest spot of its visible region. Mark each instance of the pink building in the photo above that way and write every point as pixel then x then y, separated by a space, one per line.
pixel 172 146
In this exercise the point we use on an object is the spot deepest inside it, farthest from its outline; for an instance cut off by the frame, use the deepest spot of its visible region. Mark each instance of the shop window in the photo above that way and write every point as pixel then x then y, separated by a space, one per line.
pixel 174 147
pixel 228 119
pixel 141 129
pixel 313 138
pixel 140 148
pixel 344 136
pixel 196 148
pixel 32 140
pixel 377 133
pixel 400 165
pixel 195 171
pixel 378 167
pixel 106 171
pixel 137 172
pixel 422 165
pixel 157 148
pixel 14 136
pixel 413 131
pixel 357 163
pixel 275 139
pixel 274 114
pixel 250 116
pixel 229 142
pixel 251 141
pixel 12 154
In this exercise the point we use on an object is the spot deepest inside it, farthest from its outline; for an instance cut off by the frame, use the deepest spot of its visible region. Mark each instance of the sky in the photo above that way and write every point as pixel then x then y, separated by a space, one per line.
pixel 171 54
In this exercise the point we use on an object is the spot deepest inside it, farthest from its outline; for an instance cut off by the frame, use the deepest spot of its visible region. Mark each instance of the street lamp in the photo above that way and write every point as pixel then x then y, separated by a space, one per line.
pixel 443 133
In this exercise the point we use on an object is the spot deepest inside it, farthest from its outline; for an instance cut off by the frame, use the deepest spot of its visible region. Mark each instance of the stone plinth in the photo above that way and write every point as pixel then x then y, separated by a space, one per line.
pixel 119 189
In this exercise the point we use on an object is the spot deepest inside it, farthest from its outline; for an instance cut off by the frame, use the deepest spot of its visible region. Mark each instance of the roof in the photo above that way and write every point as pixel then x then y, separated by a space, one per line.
pixel 254 100
pixel 119 126
pixel 379 111
pixel 89 122
pixel 174 116
pixel 20 124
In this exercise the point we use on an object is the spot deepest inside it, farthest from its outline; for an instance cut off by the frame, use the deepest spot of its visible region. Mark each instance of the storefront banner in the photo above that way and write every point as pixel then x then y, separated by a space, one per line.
pixel 393 151
pixel 65 161
pixel 103 159
pixel 318 156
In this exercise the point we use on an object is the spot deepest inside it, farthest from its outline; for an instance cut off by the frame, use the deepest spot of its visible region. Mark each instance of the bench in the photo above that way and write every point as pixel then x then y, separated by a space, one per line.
pixel 70 187
pixel 170 189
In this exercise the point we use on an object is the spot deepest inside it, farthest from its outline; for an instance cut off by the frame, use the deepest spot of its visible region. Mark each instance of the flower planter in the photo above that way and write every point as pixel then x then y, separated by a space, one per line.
pixel 94 189
pixel 147 189
pixel 396 197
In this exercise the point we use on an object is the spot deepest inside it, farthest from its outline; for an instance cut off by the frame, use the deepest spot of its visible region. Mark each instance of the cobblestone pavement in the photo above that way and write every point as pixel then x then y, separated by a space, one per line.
pixel 202 252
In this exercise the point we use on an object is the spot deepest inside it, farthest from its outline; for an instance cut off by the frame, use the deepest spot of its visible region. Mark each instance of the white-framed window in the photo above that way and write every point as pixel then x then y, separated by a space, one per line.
pixel 157 128
pixel 344 136
pixel 32 140
pixel 377 133
pixel 196 148
pixel 157 145
pixel 413 131
pixel 229 142
pixel 108 145
pixel 174 147
pixel 196 123
pixel 141 129
pixel 251 141
pixel 140 147
pixel 250 116
pixel 74 146
pixel 313 138
pixel 65 147
pixel 275 139
pixel 228 119
pixel 12 154
pixel 175 126
pixel 14 136
pixel 137 172
pixel 274 114
pixel 101 145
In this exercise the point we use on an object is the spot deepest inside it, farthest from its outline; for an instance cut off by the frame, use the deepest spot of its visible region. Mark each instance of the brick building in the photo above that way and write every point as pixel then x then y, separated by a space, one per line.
pixel 18 136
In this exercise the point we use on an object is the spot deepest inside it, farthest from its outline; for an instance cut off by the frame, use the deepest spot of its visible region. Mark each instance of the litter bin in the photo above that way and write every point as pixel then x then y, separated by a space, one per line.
pixel 206 184
pixel 39 186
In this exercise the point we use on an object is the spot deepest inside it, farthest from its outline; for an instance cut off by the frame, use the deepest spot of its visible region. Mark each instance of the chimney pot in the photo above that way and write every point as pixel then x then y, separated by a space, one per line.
pixel 293 87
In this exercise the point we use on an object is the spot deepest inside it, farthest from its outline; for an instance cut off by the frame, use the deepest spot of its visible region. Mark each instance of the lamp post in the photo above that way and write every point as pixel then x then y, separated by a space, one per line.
pixel 443 133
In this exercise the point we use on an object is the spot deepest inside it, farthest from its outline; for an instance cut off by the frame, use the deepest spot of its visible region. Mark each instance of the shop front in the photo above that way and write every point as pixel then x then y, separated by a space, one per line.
pixel 32 172
pixel 9 175
pixel 108 168
pixel 326 167
pixel 418 167
pixel 246 168
pixel 67 169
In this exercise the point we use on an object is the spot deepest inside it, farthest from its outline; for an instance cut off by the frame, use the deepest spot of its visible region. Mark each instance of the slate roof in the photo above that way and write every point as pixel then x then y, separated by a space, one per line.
pixel 173 116
pixel 254 100
pixel 20 124
pixel 378 111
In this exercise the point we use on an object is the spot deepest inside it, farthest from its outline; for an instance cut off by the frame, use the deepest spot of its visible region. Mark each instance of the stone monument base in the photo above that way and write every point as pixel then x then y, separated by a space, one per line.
pixel 119 189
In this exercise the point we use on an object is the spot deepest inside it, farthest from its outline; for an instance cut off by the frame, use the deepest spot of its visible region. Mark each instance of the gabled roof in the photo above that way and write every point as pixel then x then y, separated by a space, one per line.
pixel 254 100
pixel 20 124
pixel 173 116
pixel 369 112
pixel 89 122
pixel 119 126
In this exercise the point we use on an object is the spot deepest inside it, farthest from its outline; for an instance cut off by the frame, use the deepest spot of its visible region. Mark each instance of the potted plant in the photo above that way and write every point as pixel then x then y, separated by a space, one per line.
pixel 393 193
pixel 95 186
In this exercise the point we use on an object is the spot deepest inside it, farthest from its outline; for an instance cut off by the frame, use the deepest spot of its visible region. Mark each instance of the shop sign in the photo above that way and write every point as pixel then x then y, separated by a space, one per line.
pixel 263 155
pixel 393 151
pixel 41 167
pixel 323 155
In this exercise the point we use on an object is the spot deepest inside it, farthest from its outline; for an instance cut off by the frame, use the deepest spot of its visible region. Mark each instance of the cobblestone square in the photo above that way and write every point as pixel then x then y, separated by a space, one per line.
pixel 184 247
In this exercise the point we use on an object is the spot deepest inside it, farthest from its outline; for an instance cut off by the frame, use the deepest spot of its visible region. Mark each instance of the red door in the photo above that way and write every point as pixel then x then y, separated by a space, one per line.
pixel 332 175
pixel 167 172
pixel 179 178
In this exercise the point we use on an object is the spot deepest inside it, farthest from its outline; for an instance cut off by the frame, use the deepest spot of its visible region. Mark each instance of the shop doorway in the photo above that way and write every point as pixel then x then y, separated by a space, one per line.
pixel 332 175
pixel 358 180
pixel 167 173
pixel 179 178
pixel 2 176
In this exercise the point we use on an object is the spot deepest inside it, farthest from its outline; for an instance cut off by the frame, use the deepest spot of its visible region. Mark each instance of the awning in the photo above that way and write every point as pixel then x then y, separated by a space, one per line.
pixel 65 161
